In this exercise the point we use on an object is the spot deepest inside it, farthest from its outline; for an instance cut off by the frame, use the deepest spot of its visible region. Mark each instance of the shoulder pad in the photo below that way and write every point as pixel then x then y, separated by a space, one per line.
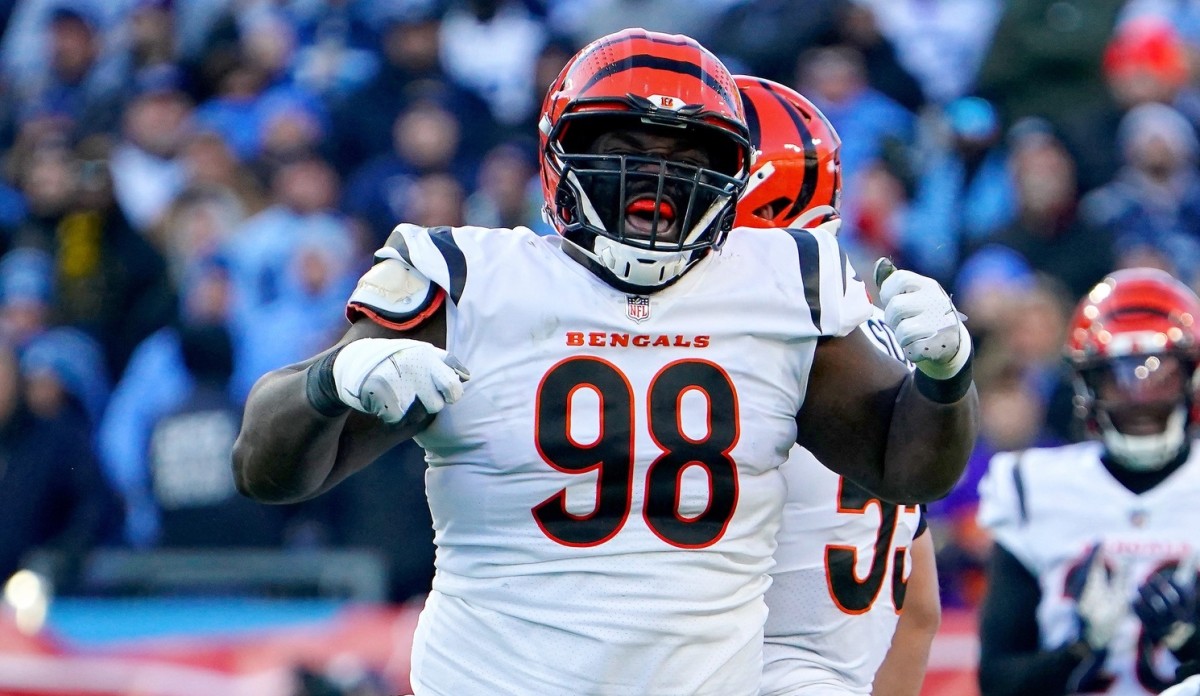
pixel 395 295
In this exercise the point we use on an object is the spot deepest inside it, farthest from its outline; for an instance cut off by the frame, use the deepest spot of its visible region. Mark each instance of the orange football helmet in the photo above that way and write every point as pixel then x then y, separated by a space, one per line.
pixel 797 172
pixel 642 220
pixel 1134 345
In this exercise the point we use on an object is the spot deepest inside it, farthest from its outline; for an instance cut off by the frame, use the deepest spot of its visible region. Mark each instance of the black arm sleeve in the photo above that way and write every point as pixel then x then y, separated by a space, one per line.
pixel 1011 662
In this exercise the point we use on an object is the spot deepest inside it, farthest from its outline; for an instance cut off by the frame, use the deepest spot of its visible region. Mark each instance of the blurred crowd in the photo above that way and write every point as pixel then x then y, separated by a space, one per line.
pixel 189 190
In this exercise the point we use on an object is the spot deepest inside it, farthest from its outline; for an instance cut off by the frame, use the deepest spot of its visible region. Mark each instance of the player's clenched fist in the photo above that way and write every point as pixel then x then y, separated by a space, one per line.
pixel 387 376
pixel 919 311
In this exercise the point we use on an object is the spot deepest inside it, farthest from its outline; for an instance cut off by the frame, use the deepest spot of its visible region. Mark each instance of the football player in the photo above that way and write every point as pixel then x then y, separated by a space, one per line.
pixel 1092 580
pixel 854 577
pixel 605 488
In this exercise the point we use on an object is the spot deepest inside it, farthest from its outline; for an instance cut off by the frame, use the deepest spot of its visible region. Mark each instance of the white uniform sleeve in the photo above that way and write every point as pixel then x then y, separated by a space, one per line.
pixel 836 297
pixel 1002 507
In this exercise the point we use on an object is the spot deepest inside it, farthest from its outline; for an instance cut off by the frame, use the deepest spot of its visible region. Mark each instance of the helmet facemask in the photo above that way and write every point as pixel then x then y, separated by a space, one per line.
pixel 644 220
pixel 1140 404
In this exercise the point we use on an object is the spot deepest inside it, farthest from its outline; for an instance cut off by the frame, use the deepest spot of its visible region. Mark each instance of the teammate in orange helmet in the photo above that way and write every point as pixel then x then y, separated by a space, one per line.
pixel 605 488
pixel 830 627
pixel 796 180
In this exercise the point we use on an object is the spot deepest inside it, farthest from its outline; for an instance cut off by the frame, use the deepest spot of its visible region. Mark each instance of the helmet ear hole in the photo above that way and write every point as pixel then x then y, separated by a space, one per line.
pixel 771 210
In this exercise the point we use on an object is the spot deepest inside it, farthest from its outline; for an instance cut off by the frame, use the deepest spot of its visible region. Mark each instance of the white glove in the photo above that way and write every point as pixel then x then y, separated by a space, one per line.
pixel 386 377
pixel 931 332
pixel 1103 603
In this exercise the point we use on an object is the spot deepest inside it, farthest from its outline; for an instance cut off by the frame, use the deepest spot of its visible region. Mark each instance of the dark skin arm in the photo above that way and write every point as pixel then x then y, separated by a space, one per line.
pixel 878 429
pixel 287 452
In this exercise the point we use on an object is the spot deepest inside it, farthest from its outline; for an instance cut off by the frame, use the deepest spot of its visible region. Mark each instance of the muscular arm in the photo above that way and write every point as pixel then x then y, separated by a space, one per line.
pixel 287 451
pixel 879 429
pixel 1011 661
pixel 903 670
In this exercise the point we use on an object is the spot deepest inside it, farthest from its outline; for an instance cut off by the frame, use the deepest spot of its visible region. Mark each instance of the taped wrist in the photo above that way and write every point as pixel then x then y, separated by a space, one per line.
pixel 321 388
pixel 946 391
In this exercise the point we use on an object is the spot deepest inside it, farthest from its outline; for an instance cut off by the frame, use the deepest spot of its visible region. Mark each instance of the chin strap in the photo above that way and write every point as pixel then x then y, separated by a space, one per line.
pixel 1145 452
pixel 640 267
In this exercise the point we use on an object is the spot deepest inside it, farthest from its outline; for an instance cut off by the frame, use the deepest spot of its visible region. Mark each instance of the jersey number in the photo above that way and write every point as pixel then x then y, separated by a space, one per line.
pixel 850 593
pixel 610 455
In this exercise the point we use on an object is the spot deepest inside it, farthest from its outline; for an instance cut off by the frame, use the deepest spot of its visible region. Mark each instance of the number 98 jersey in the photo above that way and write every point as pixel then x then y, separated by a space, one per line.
pixel 839 579
pixel 606 493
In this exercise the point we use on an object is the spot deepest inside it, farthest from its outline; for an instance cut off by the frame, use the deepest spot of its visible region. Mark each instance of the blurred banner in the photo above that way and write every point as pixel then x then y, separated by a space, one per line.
pixel 261 647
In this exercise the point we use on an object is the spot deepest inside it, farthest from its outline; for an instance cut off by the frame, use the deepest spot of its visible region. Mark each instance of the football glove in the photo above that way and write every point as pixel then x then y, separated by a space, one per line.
pixel 1166 606
pixel 931 332
pixel 387 377
pixel 1101 604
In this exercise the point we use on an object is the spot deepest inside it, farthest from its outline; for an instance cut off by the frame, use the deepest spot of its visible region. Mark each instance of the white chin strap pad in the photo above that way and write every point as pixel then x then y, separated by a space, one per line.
pixel 641 267
pixel 1146 452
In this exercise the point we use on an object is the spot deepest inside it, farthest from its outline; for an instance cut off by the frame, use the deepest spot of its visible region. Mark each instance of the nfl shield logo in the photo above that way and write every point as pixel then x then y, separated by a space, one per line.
pixel 637 307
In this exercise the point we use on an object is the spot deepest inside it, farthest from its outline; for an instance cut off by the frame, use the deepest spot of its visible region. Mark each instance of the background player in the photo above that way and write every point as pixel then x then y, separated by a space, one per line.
pixel 1092 582
pixel 846 561
pixel 605 492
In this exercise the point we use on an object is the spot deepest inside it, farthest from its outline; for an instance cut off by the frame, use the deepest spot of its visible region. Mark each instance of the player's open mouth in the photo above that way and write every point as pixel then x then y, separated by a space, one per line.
pixel 639 217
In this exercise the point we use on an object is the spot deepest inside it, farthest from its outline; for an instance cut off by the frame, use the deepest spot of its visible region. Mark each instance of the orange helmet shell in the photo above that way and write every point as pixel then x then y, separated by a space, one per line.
pixel 662 78
pixel 797 163
pixel 1134 311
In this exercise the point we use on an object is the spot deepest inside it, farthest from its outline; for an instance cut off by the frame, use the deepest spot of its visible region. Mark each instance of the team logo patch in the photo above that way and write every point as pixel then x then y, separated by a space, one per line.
pixel 662 101
pixel 637 307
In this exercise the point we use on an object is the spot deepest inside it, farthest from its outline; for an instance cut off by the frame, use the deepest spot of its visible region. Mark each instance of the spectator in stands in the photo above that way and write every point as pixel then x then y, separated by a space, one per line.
pixel 871 124
pixel 111 281
pixel 1047 231
pixel 213 169
pixel 26 295
pixel 501 74
pixel 51 489
pixel 437 200
pixel 190 448
pixel 963 192
pixel 145 167
pixel 1146 61
pixel 47 176
pixel 858 28
pixel 941 44
pixel 334 43
pixel 1044 60
pixel 72 84
pixel 409 47
pixel 1152 207
pixel 426 139
pixel 255 85
pixel 767 36
pixel 199 224
pixel 506 195
pixel 158 382
pixel 285 262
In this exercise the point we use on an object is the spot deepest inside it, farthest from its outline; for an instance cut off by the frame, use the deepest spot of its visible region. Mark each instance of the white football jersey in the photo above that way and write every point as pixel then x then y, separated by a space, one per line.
pixel 1048 507
pixel 605 495
pixel 838 584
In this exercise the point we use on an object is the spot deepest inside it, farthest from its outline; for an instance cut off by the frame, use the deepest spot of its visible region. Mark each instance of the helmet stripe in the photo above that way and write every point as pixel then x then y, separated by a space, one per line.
pixel 633 62
pixel 809 186
pixel 752 121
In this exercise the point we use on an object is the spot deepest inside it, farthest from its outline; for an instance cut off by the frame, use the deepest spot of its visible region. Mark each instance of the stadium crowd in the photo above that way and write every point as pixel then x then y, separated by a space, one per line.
pixel 188 191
